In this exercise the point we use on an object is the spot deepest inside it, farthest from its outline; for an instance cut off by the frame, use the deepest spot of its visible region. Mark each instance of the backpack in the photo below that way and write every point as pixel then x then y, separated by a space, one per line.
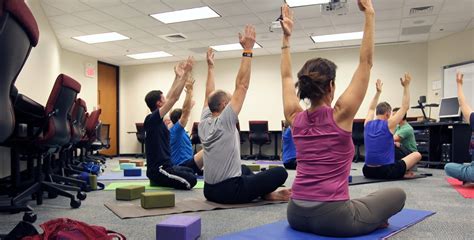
pixel 92 168
pixel 65 229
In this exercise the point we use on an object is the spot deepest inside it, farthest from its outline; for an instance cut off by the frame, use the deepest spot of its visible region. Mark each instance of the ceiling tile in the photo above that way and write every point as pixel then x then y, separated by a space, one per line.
pixel 225 32
pixel 268 17
pixel 242 20
pixel 51 11
pixel 315 22
pixel 200 35
pixel 180 5
pixel 152 40
pixel 349 28
pixel 388 15
pixel 149 6
pixel 387 33
pixel 91 29
pixel 94 16
pixel 312 11
pixel 136 33
pixel 352 42
pixel 231 9
pixel 415 38
pixel 160 30
pixel 102 3
pixel 327 45
pixel 381 25
pixel 436 9
pixel 386 39
pixel 263 5
pixel 122 11
pixel 347 19
pixel 185 27
pixel 116 25
pixel 387 4
pixel 449 27
pixel 131 43
pixel 460 6
pixel 320 31
pixel 143 22
pixel 452 18
pixel 421 3
pixel 418 21
pixel 68 6
pixel 438 35
pixel 69 20
pixel 68 33
pixel 210 24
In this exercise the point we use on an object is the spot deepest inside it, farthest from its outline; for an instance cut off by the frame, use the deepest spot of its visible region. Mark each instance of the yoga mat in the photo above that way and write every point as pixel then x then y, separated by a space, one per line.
pixel 114 185
pixel 269 162
pixel 281 230
pixel 117 169
pixel 358 180
pixel 119 176
pixel 466 192
pixel 132 209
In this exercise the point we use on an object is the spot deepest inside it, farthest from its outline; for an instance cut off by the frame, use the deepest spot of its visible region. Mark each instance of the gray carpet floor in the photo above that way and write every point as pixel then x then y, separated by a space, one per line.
pixel 454 218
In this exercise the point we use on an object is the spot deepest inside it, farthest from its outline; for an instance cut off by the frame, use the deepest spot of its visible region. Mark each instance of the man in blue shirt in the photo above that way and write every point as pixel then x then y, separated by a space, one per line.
pixel 462 172
pixel 288 148
pixel 161 171
pixel 380 162
pixel 181 147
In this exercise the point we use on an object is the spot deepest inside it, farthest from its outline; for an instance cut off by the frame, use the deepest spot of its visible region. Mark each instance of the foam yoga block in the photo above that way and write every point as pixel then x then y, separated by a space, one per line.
pixel 157 199
pixel 129 192
pixel 273 166
pixel 127 166
pixel 254 167
pixel 350 178
pixel 93 181
pixel 124 161
pixel 180 227
pixel 138 163
pixel 132 172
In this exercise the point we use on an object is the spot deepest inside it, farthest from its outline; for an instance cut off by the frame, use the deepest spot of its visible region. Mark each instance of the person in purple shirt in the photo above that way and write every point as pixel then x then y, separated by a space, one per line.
pixel 320 201
pixel 462 172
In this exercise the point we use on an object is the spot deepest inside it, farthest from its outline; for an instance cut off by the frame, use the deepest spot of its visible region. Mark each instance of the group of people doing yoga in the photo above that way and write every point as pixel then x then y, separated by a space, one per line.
pixel 319 139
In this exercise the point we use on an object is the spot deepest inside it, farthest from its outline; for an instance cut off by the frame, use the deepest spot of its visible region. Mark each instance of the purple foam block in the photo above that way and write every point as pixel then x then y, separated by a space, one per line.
pixel 350 178
pixel 179 227
pixel 132 172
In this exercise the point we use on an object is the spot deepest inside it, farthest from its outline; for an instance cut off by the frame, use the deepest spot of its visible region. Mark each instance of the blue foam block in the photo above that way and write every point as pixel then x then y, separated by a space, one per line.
pixel 124 166
pixel 179 227
pixel 119 176
pixel 350 178
pixel 132 172
pixel 281 229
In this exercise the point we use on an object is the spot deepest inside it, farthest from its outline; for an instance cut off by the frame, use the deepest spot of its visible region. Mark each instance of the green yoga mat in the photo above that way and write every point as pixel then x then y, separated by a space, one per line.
pixel 114 185
pixel 117 169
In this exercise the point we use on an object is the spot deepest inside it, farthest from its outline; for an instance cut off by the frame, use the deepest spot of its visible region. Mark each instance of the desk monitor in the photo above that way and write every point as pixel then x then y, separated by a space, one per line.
pixel 449 108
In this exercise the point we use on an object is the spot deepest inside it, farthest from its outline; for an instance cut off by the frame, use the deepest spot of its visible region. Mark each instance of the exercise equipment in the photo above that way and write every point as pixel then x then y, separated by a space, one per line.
pixel 124 161
pixel 157 199
pixel 124 166
pixel 180 227
pixel 132 172
pixel 138 163
pixel 466 192
pixel 130 192
pixel 253 167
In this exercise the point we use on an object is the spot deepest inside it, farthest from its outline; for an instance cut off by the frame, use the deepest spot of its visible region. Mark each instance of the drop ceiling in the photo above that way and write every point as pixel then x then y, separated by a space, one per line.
pixel 394 24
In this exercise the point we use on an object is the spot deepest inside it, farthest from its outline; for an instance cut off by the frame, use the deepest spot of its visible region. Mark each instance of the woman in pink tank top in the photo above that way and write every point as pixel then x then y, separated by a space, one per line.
pixel 320 200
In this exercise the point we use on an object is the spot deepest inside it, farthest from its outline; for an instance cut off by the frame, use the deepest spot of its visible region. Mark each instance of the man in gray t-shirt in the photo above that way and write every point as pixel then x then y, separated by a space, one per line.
pixel 226 180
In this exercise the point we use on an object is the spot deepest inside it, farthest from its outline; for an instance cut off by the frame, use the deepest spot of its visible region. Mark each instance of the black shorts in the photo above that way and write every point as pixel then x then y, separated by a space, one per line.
pixel 174 177
pixel 391 171
pixel 192 164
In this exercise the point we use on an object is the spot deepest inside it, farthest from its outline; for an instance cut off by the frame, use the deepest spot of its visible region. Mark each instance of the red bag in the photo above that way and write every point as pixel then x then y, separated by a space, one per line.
pixel 68 229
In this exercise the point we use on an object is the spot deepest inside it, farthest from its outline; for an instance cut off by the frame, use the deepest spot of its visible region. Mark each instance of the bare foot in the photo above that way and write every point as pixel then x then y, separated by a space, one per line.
pixel 384 225
pixel 409 174
pixel 279 195
pixel 468 184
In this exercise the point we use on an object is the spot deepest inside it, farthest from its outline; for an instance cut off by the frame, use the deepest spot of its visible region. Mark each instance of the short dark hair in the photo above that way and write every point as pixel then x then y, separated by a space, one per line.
pixel 175 115
pixel 215 100
pixel 314 78
pixel 396 110
pixel 383 108
pixel 151 98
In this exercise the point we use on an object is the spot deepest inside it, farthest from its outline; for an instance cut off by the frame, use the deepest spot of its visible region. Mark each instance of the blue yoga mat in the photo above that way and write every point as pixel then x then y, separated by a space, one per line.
pixel 281 229
pixel 119 176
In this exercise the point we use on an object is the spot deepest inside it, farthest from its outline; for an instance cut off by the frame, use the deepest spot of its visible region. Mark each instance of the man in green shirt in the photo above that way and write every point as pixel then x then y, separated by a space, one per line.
pixel 404 138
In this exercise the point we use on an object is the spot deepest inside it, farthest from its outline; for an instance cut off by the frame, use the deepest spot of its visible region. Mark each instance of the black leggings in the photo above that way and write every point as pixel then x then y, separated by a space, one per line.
pixel 177 177
pixel 291 164
pixel 246 188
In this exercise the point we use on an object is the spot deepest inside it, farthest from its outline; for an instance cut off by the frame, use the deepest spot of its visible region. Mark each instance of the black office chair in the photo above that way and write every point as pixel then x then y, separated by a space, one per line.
pixel 358 138
pixel 259 135
pixel 141 137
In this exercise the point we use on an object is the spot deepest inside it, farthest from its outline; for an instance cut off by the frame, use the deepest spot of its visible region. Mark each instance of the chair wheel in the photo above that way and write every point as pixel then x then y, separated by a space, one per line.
pixel 52 195
pixel 81 195
pixel 30 217
pixel 75 203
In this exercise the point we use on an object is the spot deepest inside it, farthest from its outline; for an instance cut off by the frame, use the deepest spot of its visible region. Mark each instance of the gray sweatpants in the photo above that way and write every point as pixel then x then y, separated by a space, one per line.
pixel 347 218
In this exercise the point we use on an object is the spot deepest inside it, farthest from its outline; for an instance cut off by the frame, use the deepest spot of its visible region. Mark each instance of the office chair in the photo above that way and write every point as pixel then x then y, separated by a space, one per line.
pixel 141 137
pixel 358 138
pixel 259 135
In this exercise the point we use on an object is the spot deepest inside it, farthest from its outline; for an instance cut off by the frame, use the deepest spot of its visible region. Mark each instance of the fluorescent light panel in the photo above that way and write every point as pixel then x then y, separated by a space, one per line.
pixel 231 47
pixel 185 15
pixel 101 37
pixel 299 3
pixel 149 55
pixel 337 37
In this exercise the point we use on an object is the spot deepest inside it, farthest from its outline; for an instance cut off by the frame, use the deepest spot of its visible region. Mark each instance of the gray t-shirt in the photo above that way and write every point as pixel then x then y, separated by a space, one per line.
pixel 221 142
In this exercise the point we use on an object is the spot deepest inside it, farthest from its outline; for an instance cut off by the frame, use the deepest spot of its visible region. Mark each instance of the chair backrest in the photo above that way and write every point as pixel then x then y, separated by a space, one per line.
pixel 140 132
pixel 258 127
pixel 92 123
pixel 78 115
pixel 358 131
pixel 58 109
pixel 18 33
pixel 195 134
pixel 104 134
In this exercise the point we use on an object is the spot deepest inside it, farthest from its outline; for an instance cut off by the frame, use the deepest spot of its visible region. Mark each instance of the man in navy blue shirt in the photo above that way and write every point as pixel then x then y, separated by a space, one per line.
pixel 181 147
pixel 161 171
pixel 462 172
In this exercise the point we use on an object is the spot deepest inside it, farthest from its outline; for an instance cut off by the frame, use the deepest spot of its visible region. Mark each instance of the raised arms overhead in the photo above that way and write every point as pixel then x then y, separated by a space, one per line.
pixel 247 40
pixel 188 102
pixel 465 108
pixel 398 117
pixel 373 104
pixel 291 105
pixel 210 84
pixel 348 104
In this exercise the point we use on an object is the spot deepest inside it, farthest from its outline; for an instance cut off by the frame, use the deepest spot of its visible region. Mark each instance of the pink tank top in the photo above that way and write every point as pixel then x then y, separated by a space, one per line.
pixel 324 153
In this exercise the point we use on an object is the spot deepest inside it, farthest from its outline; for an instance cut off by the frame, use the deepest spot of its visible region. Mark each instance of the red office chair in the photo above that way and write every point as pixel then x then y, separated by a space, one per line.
pixel 195 140
pixel 141 137
pixel 259 135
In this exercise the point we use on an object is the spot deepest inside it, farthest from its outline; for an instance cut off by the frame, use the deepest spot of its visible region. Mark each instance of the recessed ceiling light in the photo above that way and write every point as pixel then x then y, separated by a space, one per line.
pixel 231 47
pixel 185 15
pixel 337 37
pixel 101 37
pixel 149 55
pixel 299 3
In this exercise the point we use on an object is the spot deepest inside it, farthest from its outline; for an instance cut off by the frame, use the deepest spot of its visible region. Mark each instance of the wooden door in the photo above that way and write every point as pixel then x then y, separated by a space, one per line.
pixel 108 101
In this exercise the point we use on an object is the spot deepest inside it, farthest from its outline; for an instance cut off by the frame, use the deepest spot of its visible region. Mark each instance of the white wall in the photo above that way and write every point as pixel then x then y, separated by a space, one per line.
pixel 453 49
pixel 73 64
pixel 264 101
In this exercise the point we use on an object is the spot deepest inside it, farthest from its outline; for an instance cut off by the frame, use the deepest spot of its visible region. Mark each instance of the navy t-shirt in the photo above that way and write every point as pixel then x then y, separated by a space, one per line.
pixel 471 121
pixel 379 145
pixel 157 143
